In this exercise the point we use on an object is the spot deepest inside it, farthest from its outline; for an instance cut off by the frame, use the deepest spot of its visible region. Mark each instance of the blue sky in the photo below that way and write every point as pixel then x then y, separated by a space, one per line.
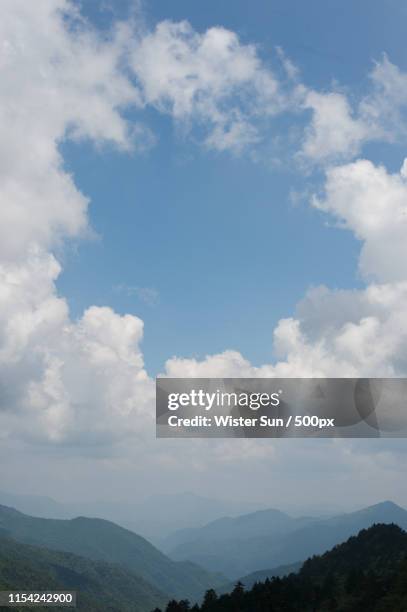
pixel 245 170
pixel 218 236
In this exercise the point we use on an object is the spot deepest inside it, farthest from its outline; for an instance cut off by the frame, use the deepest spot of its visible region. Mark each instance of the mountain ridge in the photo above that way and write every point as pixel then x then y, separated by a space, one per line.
pixel 99 585
pixel 102 540
pixel 245 554
pixel 366 572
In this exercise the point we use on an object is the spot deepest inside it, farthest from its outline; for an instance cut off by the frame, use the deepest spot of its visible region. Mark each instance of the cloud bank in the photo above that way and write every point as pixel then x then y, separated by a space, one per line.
pixel 83 383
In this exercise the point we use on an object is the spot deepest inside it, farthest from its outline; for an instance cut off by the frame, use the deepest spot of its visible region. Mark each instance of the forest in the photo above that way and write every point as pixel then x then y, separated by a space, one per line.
pixel 368 572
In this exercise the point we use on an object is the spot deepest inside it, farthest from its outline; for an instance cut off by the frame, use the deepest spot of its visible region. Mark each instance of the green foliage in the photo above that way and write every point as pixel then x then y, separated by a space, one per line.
pixel 367 572
pixel 99 585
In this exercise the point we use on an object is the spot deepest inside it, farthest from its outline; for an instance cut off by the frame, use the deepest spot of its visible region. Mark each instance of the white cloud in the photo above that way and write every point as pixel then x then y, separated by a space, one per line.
pixel 339 128
pixel 334 131
pixel 210 78
pixel 373 204
pixel 63 381
pixel 385 106
pixel 343 333
pixel 83 382
pixel 60 380
pixel 55 79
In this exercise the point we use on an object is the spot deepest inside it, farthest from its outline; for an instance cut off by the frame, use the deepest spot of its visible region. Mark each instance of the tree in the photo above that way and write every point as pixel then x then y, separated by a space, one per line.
pixel 209 599
pixel 238 591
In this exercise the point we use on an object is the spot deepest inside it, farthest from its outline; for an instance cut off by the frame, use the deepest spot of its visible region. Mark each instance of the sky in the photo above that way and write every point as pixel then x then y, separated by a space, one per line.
pixel 197 189
pixel 179 200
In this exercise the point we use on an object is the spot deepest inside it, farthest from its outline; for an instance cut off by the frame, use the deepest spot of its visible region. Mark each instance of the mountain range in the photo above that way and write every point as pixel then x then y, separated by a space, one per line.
pixel 99 585
pixel 246 544
pixel 101 540
pixel 145 517
pixel 367 572
pixel 116 569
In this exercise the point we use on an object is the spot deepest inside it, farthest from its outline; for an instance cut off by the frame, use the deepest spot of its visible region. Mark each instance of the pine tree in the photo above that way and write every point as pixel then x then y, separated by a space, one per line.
pixel 209 599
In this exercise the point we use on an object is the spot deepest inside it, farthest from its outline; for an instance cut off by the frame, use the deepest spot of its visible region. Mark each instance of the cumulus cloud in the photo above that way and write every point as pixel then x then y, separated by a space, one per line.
pixel 333 131
pixel 58 77
pixel 339 332
pixel 74 382
pixel 339 128
pixel 59 379
pixel 372 203
pixel 210 78
pixel 83 382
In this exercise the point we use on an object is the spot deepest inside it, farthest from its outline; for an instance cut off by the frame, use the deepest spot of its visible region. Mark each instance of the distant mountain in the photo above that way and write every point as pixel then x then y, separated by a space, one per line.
pixel 263 522
pixel 281 543
pixel 182 510
pixel 367 572
pixel 102 540
pixel 99 585
pixel 35 505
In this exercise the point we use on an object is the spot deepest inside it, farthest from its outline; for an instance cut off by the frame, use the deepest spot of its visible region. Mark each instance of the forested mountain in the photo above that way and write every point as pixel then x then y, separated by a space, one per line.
pixel 102 540
pixel 367 572
pixel 96 556
pixel 284 542
pixel 99 585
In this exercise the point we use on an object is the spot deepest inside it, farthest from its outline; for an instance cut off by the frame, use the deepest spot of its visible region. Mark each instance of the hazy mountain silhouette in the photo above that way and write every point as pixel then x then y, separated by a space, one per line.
pixel 270 522
pixel 182 510
pixel 284 542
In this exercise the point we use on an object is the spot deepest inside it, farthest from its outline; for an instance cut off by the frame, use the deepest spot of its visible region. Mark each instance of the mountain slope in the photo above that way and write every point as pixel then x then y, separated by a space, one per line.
pixel 323 535
pixel 143 517
pixel 243 555
pixel 367 572
pixel 100 586
pixel 102 540
pixel 260 523
pixel 181 510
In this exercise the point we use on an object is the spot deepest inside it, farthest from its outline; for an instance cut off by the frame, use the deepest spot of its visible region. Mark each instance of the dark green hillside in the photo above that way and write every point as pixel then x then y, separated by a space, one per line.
pixel 100 586
pixel 102 540
pixel 366 573
pixel 376 550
